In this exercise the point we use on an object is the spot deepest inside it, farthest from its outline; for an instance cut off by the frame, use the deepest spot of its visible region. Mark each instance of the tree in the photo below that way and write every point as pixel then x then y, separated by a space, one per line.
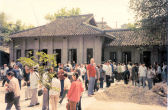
pixel 63 12
pixel 151 15
pixel 129 26
pixel 38 62
pixel 7 28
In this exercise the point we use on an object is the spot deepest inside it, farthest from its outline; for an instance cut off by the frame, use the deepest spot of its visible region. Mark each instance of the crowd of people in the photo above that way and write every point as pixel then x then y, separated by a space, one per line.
pixel 70 80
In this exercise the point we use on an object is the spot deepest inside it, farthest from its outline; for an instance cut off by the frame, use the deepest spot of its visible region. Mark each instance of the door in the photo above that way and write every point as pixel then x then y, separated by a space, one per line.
pixel 72 55
pixel 126 57
pixel 113 56
pixel 147 58
pixel 89 55
pixel 58 55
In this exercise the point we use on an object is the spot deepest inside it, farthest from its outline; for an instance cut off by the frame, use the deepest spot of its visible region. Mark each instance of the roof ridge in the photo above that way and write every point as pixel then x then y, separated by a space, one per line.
pixel 74 16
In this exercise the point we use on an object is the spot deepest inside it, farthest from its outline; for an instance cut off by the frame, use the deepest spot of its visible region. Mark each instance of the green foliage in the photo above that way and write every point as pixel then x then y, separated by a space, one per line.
pixel 62 12
pixel 45 77
pixel 7 28
pixel 151 15
pixel 129 26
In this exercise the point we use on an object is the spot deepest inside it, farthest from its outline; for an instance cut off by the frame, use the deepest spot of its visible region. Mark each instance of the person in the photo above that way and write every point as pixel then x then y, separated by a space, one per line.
pixel 4 74
pixel 159 72
pixel 18 74
pixel 45 90
pixel 102 74
pixel 61 78
pixel 86 79
pixel 142 74
pixel 67 85
pixel 34 86
pixel 108 73
pixel 54 92
pixel 96 85
pixel 74 93
pixel 13 86
pixel 83 71
pixel 134 74
pixel 91 74
pixel 26 76
pixel 164 72
pixel 150 76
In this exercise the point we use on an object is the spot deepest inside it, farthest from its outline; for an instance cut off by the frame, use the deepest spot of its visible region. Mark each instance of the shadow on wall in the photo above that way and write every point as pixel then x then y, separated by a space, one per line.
pixel 4 58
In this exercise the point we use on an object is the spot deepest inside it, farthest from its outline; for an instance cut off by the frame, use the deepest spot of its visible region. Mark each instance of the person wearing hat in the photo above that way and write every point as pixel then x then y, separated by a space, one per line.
pixel 13 86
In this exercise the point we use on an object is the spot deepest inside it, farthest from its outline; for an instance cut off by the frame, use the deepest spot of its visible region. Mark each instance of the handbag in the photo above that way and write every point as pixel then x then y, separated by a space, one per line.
pixel 9 97
pixel 40 92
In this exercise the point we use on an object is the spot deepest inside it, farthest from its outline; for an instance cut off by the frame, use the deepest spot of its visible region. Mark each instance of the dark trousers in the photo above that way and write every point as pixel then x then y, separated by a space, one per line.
pixel 150 80
pixel 101 82
pixel 107 80
pixel 63 96
pixel 19 83
pixel 78 105
pixel 83 77
pixel 16 102
pixel 5 79
pixel 96 86
pixel 86 84
pixel 62 87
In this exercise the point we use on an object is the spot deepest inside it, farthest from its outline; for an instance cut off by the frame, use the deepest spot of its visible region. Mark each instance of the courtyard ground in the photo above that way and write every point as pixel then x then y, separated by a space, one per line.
pixel 88 103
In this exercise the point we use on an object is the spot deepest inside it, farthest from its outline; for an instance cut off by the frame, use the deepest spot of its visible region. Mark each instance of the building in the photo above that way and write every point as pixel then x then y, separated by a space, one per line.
pixel 79 38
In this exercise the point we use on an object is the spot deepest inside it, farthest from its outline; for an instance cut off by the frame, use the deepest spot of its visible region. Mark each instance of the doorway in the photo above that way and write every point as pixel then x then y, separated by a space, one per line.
pixel 89 55
pixel 126 57
pixel 72 55
pixel 58 55
pixel 147 58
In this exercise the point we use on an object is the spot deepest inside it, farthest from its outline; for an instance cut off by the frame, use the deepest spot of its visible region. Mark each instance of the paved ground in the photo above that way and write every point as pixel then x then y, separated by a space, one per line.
pixel 88 103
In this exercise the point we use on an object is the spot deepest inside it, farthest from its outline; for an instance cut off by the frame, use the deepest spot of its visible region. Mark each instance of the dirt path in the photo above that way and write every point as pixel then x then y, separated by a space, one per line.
pixel 103 105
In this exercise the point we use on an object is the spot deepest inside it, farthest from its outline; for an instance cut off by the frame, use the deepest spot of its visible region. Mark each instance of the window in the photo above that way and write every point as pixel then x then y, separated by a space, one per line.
pixel 126 57
pixel 89 54
pixel 58 55
pixel 29 53
pixel 72 55
pixel 18 53
pixel 113 56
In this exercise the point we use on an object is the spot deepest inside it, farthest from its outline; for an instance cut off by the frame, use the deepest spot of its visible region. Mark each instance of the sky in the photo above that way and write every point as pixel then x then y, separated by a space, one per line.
pixel 32 12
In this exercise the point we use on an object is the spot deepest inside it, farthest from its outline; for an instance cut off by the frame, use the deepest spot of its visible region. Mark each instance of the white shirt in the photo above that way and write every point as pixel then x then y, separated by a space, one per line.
pixel 83 70
pixel 34 80
pixel 123 69
pixel 108 70
pixel 159 70
pixel 56 87
pixel 142 71
pixel 5 70
pixel 67 84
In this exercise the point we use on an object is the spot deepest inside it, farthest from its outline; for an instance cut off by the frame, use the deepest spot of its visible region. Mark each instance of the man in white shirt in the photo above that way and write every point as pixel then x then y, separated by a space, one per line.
pixel 83 71
pixel 67 84
pixel 33 86
pixel 108 72
pixel 142 74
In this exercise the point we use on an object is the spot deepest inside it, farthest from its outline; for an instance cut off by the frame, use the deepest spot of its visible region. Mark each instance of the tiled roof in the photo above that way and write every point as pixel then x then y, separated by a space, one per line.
pixel 127 37
pixel 62 26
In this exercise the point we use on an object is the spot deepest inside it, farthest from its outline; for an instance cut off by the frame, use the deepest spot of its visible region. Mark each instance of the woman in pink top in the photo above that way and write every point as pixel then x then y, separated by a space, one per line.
pixel 74 92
